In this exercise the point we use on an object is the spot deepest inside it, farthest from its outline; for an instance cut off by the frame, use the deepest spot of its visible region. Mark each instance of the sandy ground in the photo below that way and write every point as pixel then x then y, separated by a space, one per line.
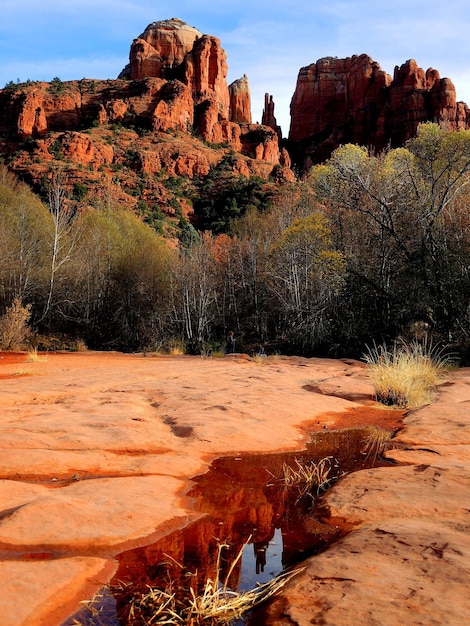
pixel 96 450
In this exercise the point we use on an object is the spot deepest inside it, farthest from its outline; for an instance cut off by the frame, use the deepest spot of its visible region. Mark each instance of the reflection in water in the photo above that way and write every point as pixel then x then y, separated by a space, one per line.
pixel 244 502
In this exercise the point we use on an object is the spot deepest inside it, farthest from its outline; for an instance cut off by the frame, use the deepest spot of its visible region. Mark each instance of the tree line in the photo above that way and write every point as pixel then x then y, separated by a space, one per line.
pixel 368 247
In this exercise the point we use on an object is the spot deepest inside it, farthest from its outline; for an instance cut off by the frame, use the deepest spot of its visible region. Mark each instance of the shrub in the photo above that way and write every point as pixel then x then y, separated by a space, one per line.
pixel 56 85
pixel 407 374
pixel 14 329
pixel 79 192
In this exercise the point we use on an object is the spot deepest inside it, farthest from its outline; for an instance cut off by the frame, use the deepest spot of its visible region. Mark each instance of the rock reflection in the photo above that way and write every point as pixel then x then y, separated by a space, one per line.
pixel 247 506
pixel 244 501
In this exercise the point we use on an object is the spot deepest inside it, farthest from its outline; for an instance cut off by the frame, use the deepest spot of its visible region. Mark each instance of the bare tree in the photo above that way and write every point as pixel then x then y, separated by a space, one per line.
pixel 63 237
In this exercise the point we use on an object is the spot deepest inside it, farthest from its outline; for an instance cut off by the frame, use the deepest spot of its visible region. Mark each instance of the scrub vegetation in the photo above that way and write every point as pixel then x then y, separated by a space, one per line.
pixel 366 248
pixel 216 604
pixel 407 374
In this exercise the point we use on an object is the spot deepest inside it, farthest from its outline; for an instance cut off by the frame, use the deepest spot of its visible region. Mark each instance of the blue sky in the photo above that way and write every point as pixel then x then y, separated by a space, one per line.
pixel 267 40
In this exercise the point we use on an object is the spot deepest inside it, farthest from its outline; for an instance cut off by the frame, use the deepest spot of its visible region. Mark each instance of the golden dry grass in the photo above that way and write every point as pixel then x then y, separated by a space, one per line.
pixel 309 475
pixel 216 605
pixel 34 357
pixel 80 346
pixel 407 374
pixel 176 349
pixel 376 442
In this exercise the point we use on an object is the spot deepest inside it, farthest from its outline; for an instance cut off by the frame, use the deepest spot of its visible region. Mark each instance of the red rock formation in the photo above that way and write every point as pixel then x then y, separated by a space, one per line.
pixel 172 50
pixel 160 50
pixel 268 118
pixel 261 143
pixel 176 81
pixel 206 73
pixel 31 120
pixel 339 100
pixel 353 100
pixel 174 108
pixel 79 148
pixel 240 101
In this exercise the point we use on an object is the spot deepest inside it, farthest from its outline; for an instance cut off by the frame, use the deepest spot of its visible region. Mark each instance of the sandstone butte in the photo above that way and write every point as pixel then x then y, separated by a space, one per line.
pixel 91 466
pixel 353 100
pixel 176 79
pixel 175 87
pixel 170 114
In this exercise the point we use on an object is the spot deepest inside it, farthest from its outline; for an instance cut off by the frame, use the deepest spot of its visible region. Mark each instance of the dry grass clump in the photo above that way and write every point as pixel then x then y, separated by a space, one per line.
pixel 218 354
pixel 376 442
pixel 309 475
pixel 80 346
pixel 216 605
pixel 171 347
pixel 176 348
pixel 407 374
pixel 34 357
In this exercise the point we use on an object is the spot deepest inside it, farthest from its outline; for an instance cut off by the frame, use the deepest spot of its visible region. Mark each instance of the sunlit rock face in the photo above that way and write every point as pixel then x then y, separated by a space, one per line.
pixel 240 101
pixel 353 100
pixel 173 50
pixel 175 83
pixel 160 50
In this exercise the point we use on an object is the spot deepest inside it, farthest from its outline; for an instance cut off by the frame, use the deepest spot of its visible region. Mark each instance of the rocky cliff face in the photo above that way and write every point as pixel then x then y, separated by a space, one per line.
pixel 353 100
pixel 173 51
pixel 170 114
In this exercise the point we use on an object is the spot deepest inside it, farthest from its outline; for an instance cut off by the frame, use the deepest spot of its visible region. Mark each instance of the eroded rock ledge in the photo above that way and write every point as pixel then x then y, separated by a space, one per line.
pixel 92 464
pixel 407 560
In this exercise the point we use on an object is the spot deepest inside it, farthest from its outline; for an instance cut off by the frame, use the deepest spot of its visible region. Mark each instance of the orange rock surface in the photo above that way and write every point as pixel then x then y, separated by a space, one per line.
pixel 407 559
pixel 97 450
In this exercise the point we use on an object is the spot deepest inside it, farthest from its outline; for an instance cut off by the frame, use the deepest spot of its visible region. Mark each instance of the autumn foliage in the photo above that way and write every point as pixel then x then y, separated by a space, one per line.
pixel 368 247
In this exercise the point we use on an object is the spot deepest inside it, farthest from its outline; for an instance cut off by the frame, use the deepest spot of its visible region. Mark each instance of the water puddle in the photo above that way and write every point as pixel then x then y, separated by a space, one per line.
pixel 247 506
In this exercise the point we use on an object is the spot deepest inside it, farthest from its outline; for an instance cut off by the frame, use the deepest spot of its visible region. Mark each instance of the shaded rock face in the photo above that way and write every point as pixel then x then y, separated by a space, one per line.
pixel 268 118
pixel 353 100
